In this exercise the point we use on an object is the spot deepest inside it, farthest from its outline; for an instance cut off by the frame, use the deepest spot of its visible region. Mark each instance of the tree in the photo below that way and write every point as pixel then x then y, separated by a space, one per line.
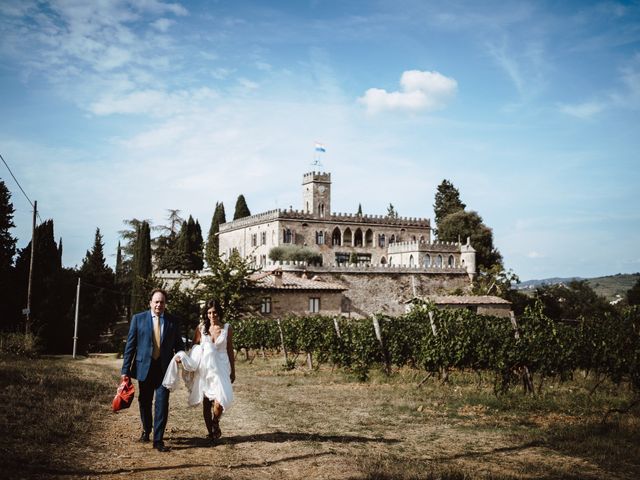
pixel 391 211
pixel 52 292
pixel 359 213
pixel 462 224
pixel 190 245
pixel 242 210
pixel 141 268
pixel 167 252
pixel 212 251
pixel 98 298
pixel 8 292
pixel 633 294
pixel 230 284
pixel 447 201
pixel 572 301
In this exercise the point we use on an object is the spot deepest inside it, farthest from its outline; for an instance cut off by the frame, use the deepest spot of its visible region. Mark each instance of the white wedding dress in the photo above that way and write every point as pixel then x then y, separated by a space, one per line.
pixel 206 370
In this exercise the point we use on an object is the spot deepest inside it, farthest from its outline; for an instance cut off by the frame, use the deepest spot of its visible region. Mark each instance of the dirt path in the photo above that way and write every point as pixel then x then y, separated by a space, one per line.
pixel 290 426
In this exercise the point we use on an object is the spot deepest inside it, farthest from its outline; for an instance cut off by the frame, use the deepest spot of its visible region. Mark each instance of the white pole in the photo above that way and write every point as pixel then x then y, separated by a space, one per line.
pixel 75 330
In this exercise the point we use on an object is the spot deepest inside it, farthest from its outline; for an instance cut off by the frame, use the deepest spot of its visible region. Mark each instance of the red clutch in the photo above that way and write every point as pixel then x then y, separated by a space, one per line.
pixel 124 395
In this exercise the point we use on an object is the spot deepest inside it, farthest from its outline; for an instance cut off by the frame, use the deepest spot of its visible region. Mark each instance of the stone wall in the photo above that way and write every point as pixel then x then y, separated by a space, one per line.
pixel 370 293
pixel 297 303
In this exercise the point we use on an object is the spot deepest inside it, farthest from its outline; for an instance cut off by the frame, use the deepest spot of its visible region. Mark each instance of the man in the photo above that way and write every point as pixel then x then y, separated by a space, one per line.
pixel 154 337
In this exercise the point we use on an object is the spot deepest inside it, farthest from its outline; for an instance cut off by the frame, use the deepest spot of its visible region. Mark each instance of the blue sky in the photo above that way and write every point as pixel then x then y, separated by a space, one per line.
pixel 119 109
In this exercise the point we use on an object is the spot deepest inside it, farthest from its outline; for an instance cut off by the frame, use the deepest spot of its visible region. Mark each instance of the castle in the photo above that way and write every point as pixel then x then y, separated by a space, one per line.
pixel 381 261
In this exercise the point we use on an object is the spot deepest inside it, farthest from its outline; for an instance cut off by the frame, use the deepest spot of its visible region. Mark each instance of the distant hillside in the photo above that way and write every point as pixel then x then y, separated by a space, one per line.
pixel 608 287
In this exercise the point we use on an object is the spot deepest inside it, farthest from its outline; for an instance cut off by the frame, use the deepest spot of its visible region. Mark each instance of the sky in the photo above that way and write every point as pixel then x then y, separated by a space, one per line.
pixel 118 109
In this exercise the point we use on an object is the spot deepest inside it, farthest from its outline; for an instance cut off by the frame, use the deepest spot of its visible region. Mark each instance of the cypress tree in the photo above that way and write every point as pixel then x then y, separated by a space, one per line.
pixel 98 299
pixel 242 210
pixel 197 246
pixel 447 201
pixel 141 268
pixel 8 291
pixel 53 291
pixel 359 210
pixel 212 251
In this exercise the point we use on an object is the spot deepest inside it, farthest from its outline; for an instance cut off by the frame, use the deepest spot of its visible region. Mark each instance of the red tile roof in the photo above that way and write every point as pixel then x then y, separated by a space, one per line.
pixel 267 280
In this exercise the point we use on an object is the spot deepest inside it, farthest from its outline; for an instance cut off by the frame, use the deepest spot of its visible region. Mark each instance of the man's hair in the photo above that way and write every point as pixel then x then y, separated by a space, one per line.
pixel 159 290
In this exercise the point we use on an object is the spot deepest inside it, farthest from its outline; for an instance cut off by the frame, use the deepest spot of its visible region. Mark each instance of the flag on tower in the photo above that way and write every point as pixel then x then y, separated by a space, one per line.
pixel 320 147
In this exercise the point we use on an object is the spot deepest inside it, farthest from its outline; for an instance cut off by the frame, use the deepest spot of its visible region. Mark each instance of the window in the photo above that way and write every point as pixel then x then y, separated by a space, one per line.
pixel 368 238
pixel 439 261
pixel 265 307
pixel 314 304
pixel 336 237
pixel 347 237
pixel 427 260
pixel 392 239
pixel 411 260
pixel 357 238
pixel 381 240
pixel 320 237
pixel 451 261
pixel 254 240
pixel 286 235
pixel 263 238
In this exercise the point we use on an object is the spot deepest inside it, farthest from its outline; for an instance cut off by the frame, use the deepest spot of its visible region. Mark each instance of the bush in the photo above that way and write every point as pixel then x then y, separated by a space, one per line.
pixel 21 344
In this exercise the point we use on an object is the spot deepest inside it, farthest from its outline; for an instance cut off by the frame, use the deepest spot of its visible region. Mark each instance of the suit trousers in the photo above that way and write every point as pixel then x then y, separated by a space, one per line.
pixel 151 386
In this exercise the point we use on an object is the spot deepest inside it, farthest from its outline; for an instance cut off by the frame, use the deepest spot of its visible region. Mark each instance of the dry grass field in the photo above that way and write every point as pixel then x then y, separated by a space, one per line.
pixel 56 423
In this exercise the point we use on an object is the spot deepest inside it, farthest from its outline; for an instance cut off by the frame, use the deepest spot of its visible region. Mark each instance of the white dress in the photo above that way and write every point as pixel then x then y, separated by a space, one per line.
pixel 206 370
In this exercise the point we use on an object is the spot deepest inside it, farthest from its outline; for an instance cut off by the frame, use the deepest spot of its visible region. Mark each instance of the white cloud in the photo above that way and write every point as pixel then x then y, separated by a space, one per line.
pixel 421 91
pixel 583 110
pixel 153 102
pixel 534 254
pixel 162 24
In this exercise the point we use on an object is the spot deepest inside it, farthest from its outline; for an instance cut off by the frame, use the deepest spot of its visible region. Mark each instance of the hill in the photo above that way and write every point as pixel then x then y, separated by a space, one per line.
pixel 609 286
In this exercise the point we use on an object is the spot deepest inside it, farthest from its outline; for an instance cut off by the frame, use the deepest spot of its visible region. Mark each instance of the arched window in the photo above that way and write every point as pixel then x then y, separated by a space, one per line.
pixel 321 209
pixel 347 239
pixel 392 239
pixel 336 237
pixel 439 261
pixel 451 261
pixel 390 260
pixel 286 235
pixel 427 260
pixel 368 238
pixel 411 260
pixel 381 240
pixel 383 261
pixel 320 237
pixel 357 238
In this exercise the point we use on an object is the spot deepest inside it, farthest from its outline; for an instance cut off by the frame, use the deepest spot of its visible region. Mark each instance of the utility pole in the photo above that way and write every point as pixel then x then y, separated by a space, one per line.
pixel 33 245
pixel 75 330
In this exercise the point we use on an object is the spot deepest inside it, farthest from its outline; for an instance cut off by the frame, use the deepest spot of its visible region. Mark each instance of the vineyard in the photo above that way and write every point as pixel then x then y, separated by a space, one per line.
pixel 514 352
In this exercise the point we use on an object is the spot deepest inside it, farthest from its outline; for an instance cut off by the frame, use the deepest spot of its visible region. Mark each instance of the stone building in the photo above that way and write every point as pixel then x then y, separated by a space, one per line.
pixel 344 239
pixel 381 261
pixel 281 293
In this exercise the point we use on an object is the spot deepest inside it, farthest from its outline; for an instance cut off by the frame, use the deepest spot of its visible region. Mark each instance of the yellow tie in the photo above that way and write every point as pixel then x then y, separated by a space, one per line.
pixel 156 338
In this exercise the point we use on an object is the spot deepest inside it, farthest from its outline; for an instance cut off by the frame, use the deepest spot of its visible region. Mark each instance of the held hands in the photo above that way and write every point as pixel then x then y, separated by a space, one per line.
pixel 177 358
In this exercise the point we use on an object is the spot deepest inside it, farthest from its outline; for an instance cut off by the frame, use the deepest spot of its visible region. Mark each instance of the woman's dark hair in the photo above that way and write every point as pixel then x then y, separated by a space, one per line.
pixel 217 308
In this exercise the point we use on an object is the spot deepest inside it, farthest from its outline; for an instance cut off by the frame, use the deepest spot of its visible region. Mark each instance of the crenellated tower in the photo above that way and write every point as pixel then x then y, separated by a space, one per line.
pixel 316 194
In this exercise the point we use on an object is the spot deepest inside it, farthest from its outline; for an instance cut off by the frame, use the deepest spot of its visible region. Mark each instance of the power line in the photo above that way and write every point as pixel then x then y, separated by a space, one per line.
pixel 20 186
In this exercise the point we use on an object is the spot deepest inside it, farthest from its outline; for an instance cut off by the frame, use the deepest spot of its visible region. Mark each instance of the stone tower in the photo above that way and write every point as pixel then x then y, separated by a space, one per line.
pixel 316 194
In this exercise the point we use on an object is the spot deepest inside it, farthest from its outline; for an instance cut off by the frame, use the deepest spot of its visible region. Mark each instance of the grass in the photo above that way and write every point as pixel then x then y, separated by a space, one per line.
pixel 307 423
pixel 47 403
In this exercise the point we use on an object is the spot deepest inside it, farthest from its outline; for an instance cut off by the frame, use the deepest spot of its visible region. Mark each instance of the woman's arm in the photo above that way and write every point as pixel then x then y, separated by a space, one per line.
pixel 196 336
pixel 232 357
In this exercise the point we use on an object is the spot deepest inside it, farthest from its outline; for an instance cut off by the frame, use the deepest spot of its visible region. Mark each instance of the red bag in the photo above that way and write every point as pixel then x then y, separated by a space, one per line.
pixel 124 395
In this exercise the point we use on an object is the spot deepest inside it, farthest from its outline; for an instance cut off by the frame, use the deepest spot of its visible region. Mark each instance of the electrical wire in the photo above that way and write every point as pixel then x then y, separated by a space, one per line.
pixel 20 187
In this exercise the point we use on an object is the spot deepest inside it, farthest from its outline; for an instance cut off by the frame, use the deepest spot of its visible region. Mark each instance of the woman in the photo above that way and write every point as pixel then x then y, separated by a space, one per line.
pixel 216 371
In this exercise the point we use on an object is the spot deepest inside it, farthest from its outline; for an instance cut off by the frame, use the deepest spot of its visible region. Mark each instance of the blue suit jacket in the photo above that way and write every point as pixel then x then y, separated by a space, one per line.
pixel 137 352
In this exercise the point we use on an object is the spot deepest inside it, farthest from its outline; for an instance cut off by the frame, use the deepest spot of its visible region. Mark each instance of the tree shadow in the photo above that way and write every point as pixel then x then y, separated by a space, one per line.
pixel 179 443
